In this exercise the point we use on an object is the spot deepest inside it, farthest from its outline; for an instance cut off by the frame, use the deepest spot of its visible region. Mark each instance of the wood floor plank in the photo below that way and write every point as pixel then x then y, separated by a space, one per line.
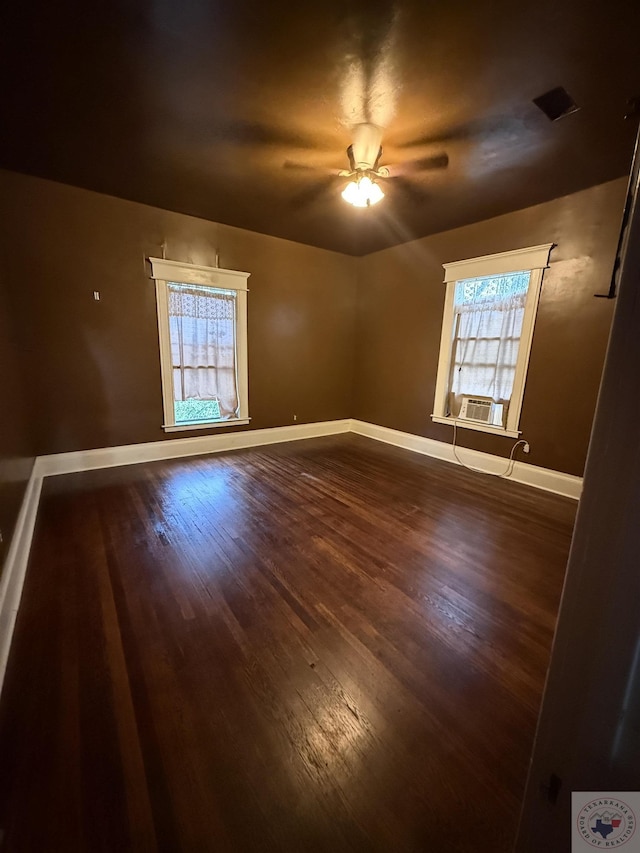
pixel 332 645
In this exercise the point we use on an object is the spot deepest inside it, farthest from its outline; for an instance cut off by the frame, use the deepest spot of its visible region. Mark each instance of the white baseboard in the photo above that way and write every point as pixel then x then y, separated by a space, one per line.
pixel 130 454
pixel 15 568
pixel 541 478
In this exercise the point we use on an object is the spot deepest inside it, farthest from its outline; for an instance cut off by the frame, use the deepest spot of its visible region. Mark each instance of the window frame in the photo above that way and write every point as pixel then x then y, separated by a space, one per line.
pixel 535 260
pixel 175 272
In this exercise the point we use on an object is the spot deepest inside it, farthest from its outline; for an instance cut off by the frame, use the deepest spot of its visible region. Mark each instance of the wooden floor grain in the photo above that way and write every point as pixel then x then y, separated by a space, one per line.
pixel 330 645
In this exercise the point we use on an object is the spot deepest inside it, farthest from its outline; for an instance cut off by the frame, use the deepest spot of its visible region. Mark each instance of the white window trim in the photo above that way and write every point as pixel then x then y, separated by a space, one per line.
pixel 163 272
pixel 535 259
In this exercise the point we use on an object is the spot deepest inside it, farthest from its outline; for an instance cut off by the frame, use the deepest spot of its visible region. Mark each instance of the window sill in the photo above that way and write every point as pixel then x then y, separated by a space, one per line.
pixel 490 428
pixel 206 425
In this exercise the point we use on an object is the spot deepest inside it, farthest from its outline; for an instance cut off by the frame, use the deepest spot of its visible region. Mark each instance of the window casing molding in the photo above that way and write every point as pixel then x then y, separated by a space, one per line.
pixel 535 259
pixel 165 272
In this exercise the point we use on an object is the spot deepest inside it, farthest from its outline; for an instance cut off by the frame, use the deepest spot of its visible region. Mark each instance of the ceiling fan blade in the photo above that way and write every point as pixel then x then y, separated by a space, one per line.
pixel 478 128
pixel 454 134
pixel 416 195
pixel 428 164
pixel 293 165
pixel 248 133
pixel 423 164
pixel 315 192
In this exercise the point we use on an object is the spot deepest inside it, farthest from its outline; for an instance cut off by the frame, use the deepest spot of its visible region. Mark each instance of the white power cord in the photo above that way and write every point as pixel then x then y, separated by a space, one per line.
pixel 508 471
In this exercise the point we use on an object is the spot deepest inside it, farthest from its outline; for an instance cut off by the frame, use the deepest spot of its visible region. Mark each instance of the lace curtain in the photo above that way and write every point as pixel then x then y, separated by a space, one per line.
pixel 488 315
pixel 202 325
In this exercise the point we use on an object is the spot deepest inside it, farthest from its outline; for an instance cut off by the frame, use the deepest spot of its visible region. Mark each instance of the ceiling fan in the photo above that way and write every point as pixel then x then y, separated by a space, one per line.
pixel 364 157
pixel 365 172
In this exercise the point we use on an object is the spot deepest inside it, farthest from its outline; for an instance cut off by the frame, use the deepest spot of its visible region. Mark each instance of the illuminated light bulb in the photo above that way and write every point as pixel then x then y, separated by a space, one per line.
pixel 350 193
pixel 362 192
pixel 375 194
pixel 365 186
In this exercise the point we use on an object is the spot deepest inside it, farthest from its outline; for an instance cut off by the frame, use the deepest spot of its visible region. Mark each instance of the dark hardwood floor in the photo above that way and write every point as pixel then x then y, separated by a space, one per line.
pixel 330 645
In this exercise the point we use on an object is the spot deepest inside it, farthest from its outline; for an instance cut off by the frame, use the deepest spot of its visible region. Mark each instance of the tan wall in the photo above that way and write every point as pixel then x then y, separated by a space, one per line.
pixel 400 305
pixel 94 374
pixel 16 446
pixel 94 366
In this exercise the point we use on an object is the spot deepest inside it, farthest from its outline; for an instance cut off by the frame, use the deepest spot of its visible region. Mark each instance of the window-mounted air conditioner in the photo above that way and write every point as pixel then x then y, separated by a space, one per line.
pixel 479 409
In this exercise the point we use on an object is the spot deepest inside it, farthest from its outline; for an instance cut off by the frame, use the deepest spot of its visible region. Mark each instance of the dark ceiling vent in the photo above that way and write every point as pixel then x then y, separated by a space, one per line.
pixel 557 103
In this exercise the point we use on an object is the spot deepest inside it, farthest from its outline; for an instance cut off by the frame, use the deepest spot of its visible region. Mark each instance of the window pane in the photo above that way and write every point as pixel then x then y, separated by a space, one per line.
pixel 197 410
pixel 202 329
pixel 488 315
pixel 471 291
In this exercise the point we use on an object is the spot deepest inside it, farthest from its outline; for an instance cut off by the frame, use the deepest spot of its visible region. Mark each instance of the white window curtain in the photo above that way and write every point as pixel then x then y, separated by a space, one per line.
pixel 202 326
pixel 488 316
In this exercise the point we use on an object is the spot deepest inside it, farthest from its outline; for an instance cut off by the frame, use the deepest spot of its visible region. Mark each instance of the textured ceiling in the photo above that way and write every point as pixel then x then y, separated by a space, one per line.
pixel 207 107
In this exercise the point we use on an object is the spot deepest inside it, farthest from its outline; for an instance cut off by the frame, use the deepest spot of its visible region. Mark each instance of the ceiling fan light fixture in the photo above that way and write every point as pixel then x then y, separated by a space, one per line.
pixel 362 192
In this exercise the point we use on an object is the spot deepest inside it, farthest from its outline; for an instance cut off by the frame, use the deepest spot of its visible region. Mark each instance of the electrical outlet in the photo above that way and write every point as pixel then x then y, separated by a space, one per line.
pixel 295 417
pixel 526 447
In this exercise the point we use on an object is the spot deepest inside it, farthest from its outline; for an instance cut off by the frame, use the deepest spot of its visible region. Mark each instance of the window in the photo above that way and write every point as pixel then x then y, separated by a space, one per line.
pixel 487 329
pixel 202 325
